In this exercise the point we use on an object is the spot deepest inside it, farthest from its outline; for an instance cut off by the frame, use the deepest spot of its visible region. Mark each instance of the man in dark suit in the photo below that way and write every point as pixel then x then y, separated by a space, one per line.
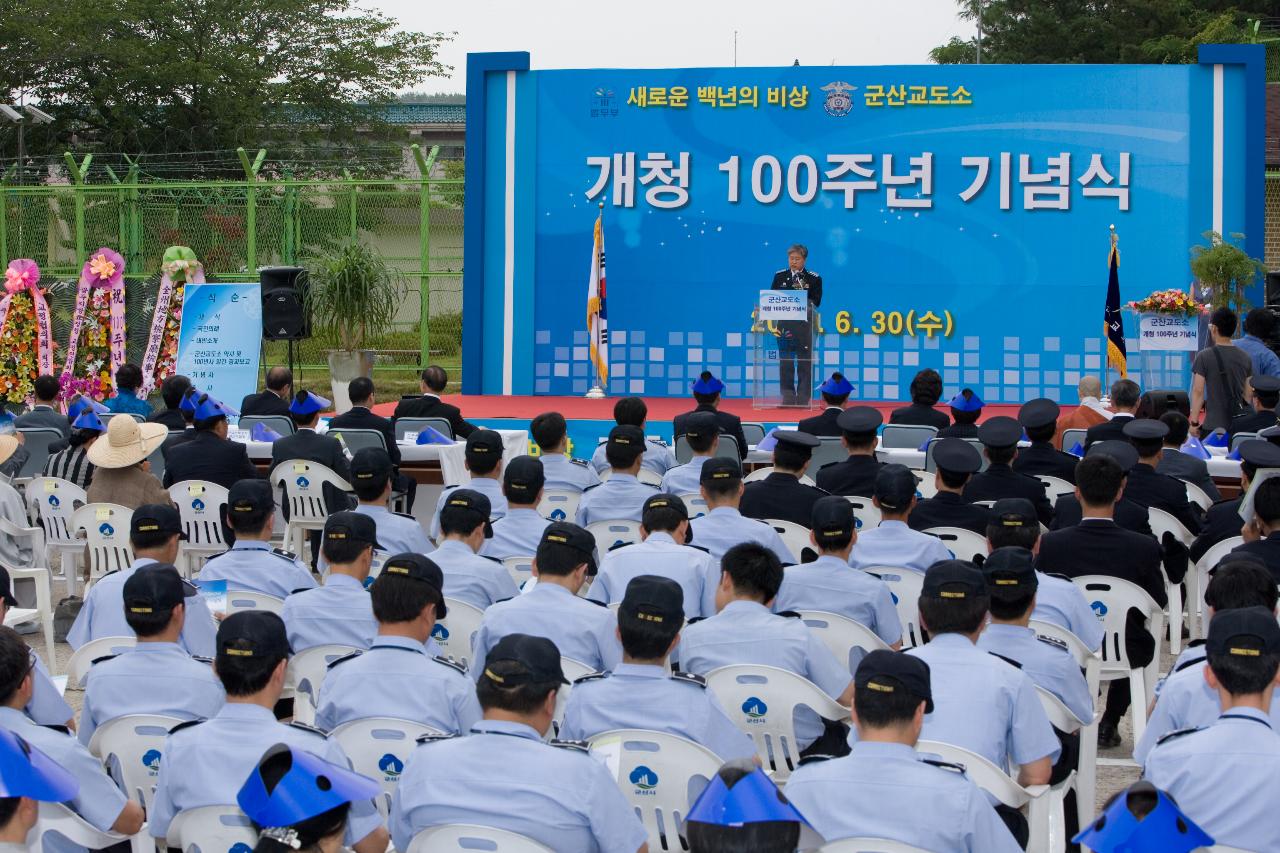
pixel 1183 466
pixel 172 391
pixel 209 455
pixel 1160 491
pixel 361 416
pixel 1262 534
pixel 44 413
pixel 1067 511
pixel 187 409
pixel 1040 420
pixel 706 392
pixel 835 393
pixel 781 494
pixel 966 408
pixel 926 391
pixel 957 460
pixel 1125 395
pixel 855 476
pixel 1223 520
pixel 999 437
pixel 1098 546
pixel 306 443
pixel 1266 395
pixel 274 400
pixel 795 337
pixel 429 405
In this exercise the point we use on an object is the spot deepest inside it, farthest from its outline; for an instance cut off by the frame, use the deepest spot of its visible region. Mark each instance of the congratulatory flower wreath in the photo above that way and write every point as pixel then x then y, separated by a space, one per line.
pixel 26 331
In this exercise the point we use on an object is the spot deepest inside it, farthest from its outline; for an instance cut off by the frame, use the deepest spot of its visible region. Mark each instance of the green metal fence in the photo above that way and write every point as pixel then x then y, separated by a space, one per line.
pixel 235 227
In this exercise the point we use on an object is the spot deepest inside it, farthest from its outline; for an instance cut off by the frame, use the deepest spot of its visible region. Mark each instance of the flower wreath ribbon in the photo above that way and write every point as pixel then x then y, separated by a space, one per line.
pixel 104 269
pixel 179 266
pixel 23 274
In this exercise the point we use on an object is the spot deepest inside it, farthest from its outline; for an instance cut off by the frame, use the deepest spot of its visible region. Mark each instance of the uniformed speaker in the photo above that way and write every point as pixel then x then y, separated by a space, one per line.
pixel 795 337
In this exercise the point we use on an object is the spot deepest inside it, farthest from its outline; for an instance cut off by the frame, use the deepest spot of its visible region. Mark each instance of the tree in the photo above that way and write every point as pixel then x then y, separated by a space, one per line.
pixel 188 76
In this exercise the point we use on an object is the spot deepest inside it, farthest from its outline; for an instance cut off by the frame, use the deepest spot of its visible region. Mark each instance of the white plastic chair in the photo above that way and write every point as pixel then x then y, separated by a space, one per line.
pixel 848 640
pixel 964 544
pixel 306 673
pixel 106 529
pixel 794 536
pixel 465 837
pixel 520 568
pixel 1198 582
pixel 660 775
pixel 696 504
pixel 199 504
pixel 210 828
pixel 559 504
pixel 1111 599
pixel 378 747
pixel 82 658
pixel 55 501
pixel 762 701
pixel 304 483
pixel 1055 486
pixel 130 747
pixel 39 576
pixel 455 632
pixel 36 441
pixel 610 533
pixel 1061 718
pixel 869 845
pixel 761 473
pixel 55 817
pixel 866 515
pixel 1161 523
pixel 573 670
pixel 905 586
pixel 1197 496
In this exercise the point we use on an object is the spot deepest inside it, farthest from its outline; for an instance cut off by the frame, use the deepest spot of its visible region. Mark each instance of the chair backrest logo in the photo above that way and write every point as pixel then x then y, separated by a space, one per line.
pixel 644 779
pixel 440 632
pixel 106 529
pixel 391 767
pixel 754 708
pixel 151 761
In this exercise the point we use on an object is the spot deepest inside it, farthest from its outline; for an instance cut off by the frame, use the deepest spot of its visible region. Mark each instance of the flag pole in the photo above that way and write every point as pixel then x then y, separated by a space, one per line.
pixel 596 392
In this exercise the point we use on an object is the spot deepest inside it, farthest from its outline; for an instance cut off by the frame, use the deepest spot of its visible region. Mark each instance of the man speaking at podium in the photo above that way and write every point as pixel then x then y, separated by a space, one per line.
pixel 795 337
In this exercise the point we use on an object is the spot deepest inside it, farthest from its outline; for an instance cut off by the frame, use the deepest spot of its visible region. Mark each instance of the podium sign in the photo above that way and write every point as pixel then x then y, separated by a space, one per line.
pixel 782 305
pixel 1166 345
pixel 1168 333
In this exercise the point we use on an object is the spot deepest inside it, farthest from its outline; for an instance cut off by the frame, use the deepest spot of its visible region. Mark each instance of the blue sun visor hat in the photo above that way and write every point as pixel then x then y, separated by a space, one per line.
pixel 188 402
pixel 88 419
pixel 81 404
pixel 1165 829
pixel 310 786
pixel 27 772
pixel 308 403
pixel 208 407
pixel 753 798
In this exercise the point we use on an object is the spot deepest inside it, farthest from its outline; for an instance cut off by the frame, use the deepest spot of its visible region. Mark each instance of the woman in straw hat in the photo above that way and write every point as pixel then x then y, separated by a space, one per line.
pixel 14 551
pixel 122 475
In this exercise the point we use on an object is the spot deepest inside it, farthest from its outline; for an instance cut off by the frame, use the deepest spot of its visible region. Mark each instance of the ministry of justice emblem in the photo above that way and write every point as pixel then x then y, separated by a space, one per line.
pixel 839 102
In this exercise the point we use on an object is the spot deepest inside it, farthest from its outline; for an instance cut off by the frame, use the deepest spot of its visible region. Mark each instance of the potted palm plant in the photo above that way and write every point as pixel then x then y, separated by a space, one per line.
pixel 352 299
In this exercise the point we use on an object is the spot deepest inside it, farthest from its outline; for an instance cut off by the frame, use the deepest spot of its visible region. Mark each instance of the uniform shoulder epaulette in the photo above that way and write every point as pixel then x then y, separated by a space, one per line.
pixel 652 486
pixel 56 728
pixel 301 589
pixel 1195 644
pixel 591 676
pixel 110 573
pixel 448 488
pixel 820 489
pixel 945 765
pixel 1053 641
pixel 813 273
pixel 405 515
pixel 1058 575
pixel 306 728
pixel 789 614
pixel 783 271
pixel 657 441
pixel 694 620
pixel 829 464
pixel 1188 663
pixel 451 663
pixel 689 678
pixel 203 660
pixel 212 557
pixel 189 589
pixel 288 555
pixel 697 547
pixel 345 658
pixel 616 545
pixel 185 725
pixel 1009 661
pixel 576 745
pixel 435 737
pixel 593 486
pixel 1177 733
pixel 596 603
pixel 580 462
pixel 815 759
pixel 487 557
pixel 102 659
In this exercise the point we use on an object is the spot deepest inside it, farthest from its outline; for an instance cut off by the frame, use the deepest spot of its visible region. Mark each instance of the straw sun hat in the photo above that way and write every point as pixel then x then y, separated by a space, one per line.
pixel 8 444
pixel 126 443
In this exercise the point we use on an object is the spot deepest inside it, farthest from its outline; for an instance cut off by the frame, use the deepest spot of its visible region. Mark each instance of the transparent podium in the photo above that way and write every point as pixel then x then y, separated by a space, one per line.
pixel 780 317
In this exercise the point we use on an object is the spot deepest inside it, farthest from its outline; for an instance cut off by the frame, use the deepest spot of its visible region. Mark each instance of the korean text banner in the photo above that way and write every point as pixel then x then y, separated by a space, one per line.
pixel 221 338
pixel 958 215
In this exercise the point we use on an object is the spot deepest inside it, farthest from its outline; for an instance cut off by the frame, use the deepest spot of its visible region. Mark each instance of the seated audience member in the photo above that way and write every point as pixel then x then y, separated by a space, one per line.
pixel 44 412
pixel 98 801
pixel 122 470
pixel 1262 534
pixel 13 456
pixel 956 461
pixel 340 611
pixel 187 409
pixel 1098 546
pixel 1125 396
pixel 781 495
pixel 30 778
pixel 252 564
pixel 706 393
pixel 1142 817
pixel 835 393
pixel 500 774
pixel 1266 395
pixel 14 550
pixel 483 459
pixel 209 455
pixel 724 525
pixel 1237 752
pixel 702 434
pixel 1149 489
pixel 855 476
pixel 741 809
pixel 829 584
pixel 622 495
pixel 172 392
pixel 206 763
pixel 1223 520
pixel 562 471
pixel 308 445
pixel 464 526
pixel 893 543
pixel 158 676
pixel 361 416
pixel 154 532
pixel 72 462
pixel 429 405
pixel 1183 466
pixel 397 677
pixel 632 411
pixel 372 477
pixel 518 533
pixel 966 408
pixel 902 795
pixel 274 399
pixel 582 630
pixel 128 380
pixel 663 550
pixel 47 707
pixel 1089 412
pixel 999 437
pixel 642 692
pixel 745 630
pixel 1039 419
pixel 926 390
pixel 1129 515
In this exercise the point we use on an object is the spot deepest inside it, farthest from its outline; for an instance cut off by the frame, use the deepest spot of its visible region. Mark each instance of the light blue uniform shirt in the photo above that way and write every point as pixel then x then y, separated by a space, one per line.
pixel 695 571
pixel 565 474
pixel 103 615
pixel 47 707
pixel 206 764
pixel 1047 663
pixel 1061 602
pixel 723 527
pixel 898 797
pixel 1224 778
pixel 397 678
pixel 152 678
pixel 340 612
pixel 657 458
pixel 98 801
pixel 621 496
pixel 748 632
pixel 581 630
pixel 830 584
pixel 638 696
pixel 487 486
pixel 685 479
pixel 516 534
pixel 893 544
pixel 397 534
pixel 255 566
pixel 1265 362
pixel 504 776
pixel 469 577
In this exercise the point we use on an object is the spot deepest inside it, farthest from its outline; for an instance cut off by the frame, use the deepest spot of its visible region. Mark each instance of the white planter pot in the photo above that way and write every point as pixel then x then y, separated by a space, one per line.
pixel 343 367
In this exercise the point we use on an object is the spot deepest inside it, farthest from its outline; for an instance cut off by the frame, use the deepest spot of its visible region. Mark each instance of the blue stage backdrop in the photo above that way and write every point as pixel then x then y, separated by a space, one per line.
pixel 958 215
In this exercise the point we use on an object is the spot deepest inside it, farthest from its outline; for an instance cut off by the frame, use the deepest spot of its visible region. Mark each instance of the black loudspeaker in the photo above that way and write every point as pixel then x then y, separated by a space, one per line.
pixel 1273 288
pixel 284 295
pixel 1155 403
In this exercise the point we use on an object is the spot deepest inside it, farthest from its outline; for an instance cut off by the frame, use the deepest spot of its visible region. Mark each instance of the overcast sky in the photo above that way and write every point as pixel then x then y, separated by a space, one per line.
pixel 681 33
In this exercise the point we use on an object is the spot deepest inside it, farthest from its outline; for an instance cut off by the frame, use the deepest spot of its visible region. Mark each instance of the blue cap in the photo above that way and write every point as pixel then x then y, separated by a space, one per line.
pixel 308 403
pixel 966 401
pixel 208 407
pixel 310 786
pixel 752 798
pixel 707 384
pixel 1165 829
pixel 88 419
pixel 836 386
pixel 27 772
pixel 188 402
pixel 81 403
